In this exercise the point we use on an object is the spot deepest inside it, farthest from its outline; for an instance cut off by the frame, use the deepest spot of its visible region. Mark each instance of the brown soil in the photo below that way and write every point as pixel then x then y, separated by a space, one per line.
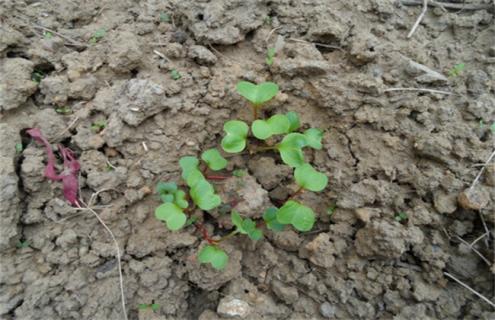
pixel 385 152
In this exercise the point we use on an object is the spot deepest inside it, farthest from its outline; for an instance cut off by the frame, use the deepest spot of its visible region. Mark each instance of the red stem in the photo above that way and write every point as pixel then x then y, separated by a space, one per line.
pixel 298 191
pixel 213 177
pixel 204 233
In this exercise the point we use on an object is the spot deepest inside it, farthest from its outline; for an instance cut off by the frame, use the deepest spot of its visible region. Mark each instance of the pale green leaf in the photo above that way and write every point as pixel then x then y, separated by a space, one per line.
pixel 308 178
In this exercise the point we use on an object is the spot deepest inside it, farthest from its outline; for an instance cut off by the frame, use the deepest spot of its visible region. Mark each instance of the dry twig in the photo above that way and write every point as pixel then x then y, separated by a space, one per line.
pixel 475 250
pixel 449 5
pixel 418 89
pixel 420 17
pixel 476 180
pixel 470 289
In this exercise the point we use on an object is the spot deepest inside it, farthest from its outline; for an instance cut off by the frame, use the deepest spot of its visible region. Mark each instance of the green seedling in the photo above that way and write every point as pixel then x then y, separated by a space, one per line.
pixel 492 128
pixel 23 244
pixel 299 216
pixel 331 210
pixel 98 126
pixel 19 147
pixel 235 139
pixel 257 94
pixel 246 226
pixel 97 35
pixel 213 255
pixel 214 159
pixel 47 35
pixel 176 211
pixel 310 179
pixel 268 20
pixel 165 17
pixel 270 55
pixel 175 75
pixel 153 306
pixel 270 218
pixel 456 70
pixel 401 216
pixel 37 76
pixel 63 110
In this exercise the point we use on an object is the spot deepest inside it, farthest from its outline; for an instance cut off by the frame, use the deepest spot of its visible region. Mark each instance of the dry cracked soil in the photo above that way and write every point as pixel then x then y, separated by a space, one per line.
pixel 131 86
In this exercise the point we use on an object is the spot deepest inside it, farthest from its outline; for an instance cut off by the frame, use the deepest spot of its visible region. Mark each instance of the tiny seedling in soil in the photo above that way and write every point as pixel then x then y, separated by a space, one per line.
pixel 37 76
pixel 456 70
pixel 18 147
pixel 175 75
pixel 97 35
pixel 153 306
pixel 165 17
pixel 331 210
pixel 179 202
pixel 98 126
pixel 492 128
pixel 47 35
pixel 22 244
pixel 401 216
pixel 270 55
pixel 63 110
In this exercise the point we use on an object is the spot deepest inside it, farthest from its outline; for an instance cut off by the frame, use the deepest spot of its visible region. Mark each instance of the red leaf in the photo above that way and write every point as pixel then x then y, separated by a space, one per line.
pixel 69 176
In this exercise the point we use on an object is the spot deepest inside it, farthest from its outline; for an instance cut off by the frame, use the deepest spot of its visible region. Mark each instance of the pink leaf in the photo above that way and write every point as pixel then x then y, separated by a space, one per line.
pixel 69 176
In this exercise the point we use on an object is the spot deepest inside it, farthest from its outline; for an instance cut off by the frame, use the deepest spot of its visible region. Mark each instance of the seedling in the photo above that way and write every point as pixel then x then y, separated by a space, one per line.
pixel 22 244
pixel 492 128
pixel 63 110
pixel 98 126
pixel 175 75
pixel 456 70
pixel 19 147
pixel 331 210
pixel 282 129
pixel 401 216
pixel 47 35
pixel 98 35
pixel 165 17
pixel 153 306
pixel 257 94
pixel 37 76
pixel 270 55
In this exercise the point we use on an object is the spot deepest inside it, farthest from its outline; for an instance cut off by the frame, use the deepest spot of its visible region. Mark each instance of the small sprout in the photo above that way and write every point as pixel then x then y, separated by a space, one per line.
pixel 172 215
pixel 22 244
pixel 270 217
pixel 239 173
pixel 155 307
pixel 169 192
pixel 98 35
pixel 482 124
pixel 18 147
pixel 299 216
pixel 310 179
pixel 175 75
pixel 214 256
pixel 257 94
pixel 291 149
pixel 214 159
pixel 63 110
pixel 294 122
pixel 246 226
pixel 37 76
pixel 143 306
pixel 204 195
pixel 331 209
pixel 401 216
pixel 47 35
pixel 456 70
pixel 277 124
pixel 268 20
pixel 313 138
pixel 235 139
pixel 270 55
pixel 98 126
pixel 110 167
pixel 165 17
pixel 191 220
pixel 492 128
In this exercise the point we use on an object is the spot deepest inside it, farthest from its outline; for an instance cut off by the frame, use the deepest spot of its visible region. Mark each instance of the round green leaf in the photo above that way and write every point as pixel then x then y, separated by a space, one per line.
pixel 214 256
pixel 256 234
pixel 180 199
pixel 313 138
pixel 308 178
pixel 257 94
pixel 214 159
pixel 270 217
pixel 172 215
pixel 166 187
pixel 188 164
pixel 204 195
pixel 167 197
pixel 292 157
pixel 299 216
pixel 294 123
pixel 236 128
pixel 261 129
pixel 193 177
pixel 237 220
pixel 279 124
pixel 233 144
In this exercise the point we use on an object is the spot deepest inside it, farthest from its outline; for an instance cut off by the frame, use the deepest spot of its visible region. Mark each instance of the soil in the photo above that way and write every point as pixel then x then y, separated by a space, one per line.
pixel 385 152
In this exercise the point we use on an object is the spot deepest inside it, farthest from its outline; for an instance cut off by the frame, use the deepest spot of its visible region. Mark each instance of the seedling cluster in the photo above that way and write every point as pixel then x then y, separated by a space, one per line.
pixel 175 211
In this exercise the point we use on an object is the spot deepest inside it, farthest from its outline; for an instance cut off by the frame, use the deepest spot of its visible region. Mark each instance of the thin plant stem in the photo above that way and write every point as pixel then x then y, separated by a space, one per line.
pixel 295 194
pixel 230 235
pixel 470 289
